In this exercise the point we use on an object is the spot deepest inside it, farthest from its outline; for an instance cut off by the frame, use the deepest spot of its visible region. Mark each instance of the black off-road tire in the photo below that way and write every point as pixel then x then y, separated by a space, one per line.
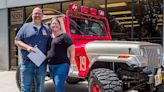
pixel 106 80
pixel 71 80
pixel 18 80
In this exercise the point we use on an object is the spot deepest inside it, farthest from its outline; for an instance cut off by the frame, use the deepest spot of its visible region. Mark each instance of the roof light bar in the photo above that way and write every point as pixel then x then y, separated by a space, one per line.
pixel 101 13
pixel 84 9
pixel 93 11
pixel 73 7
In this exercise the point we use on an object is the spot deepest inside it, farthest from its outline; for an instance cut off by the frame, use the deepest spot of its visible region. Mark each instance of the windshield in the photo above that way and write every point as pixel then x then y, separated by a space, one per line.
pixel 87 27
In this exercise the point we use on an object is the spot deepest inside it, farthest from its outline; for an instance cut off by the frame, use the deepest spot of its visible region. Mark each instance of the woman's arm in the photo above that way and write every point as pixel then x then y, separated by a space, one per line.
pixel 71 52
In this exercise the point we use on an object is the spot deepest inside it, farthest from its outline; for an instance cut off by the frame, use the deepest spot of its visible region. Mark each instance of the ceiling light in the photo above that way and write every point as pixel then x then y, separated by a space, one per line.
pixel 160 15
pixel 160 24
pixel 120 12
pixel 160 20
pixel 48 12
pixel 114 5
pixel 128 22
pixel 135 25
pixel 47 17
pixel 124 18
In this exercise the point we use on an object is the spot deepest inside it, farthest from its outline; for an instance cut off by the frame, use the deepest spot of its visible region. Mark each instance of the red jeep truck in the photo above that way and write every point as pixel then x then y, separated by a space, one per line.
pixel 108 66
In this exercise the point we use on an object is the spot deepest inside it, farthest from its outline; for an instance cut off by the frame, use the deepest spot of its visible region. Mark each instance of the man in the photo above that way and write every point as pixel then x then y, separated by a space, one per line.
pixel 30 35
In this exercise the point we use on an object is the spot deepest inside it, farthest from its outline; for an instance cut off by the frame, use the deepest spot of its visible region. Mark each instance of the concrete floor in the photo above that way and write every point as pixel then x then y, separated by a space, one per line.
pixel 8 84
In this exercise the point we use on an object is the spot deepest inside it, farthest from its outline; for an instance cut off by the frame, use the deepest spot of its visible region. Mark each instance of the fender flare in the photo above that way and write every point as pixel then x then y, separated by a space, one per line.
pixel 114 59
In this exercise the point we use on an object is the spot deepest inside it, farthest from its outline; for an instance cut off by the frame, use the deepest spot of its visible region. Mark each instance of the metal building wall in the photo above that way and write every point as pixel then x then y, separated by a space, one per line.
pixel 3 4
pixel 17 3
pixel 4 40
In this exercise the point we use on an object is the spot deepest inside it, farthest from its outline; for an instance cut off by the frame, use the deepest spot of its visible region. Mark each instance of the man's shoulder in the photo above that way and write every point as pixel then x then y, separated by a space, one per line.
pixel 46 25
pixel 27 24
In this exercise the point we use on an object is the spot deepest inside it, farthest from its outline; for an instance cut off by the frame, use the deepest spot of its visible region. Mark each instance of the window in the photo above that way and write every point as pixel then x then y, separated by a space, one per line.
pixel 87 27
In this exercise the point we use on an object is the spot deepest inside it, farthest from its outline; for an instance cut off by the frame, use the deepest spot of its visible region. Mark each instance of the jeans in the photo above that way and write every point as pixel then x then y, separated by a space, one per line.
pixel 59 75
pixel 29 72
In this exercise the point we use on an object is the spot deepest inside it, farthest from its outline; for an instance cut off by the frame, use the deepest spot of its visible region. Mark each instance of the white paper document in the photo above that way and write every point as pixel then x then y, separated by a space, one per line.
pixel 37 57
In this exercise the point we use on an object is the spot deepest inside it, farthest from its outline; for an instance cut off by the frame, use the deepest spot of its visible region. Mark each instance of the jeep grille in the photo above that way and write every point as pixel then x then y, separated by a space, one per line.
pixel 152 58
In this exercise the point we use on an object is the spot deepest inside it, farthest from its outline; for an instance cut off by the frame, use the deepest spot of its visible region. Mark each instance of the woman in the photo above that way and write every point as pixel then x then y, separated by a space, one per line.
pixel 57 55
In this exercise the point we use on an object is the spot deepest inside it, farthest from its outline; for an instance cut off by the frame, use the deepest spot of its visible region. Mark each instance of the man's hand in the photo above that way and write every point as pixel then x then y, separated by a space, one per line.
pixel 30 49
